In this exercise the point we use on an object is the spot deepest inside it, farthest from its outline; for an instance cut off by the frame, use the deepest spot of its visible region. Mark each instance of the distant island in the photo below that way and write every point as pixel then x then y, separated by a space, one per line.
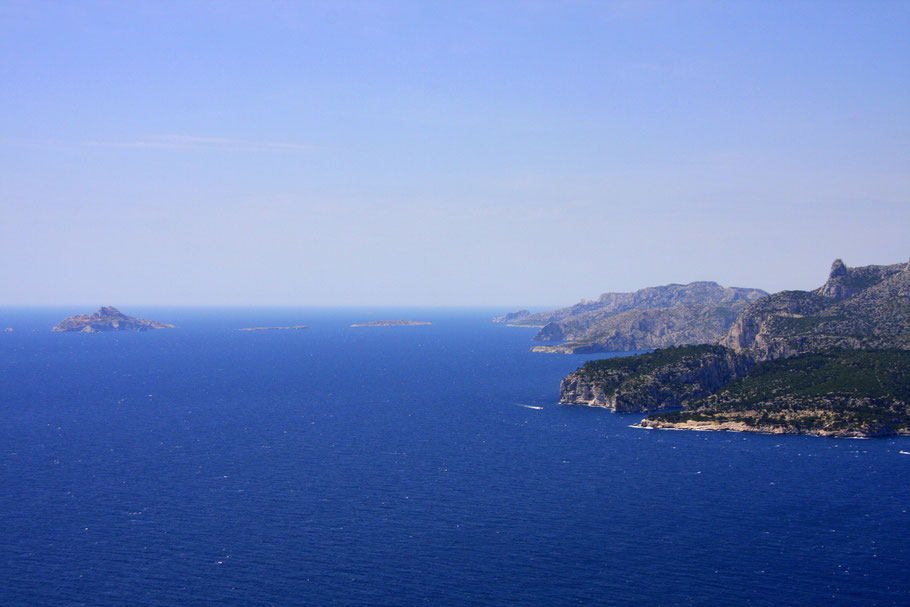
pixel 293 328
pixel 107 319
pixel 391 323
pixel 655 317
pixel 830 362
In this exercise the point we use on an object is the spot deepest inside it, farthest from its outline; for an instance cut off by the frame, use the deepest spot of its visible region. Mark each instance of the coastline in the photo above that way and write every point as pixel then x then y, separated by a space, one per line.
pixel 731 426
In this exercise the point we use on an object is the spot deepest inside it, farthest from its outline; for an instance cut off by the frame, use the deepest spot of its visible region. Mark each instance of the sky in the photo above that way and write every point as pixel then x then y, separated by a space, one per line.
pixel 445 153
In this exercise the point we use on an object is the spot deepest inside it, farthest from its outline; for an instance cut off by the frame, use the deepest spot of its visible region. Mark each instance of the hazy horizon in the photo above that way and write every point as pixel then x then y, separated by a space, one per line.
pixel 526 154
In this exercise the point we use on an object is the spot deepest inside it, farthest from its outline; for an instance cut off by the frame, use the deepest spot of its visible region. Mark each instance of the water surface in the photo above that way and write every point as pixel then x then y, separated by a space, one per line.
pixel 403 466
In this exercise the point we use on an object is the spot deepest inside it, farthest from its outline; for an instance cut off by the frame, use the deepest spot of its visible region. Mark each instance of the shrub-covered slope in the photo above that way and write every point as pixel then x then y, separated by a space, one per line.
pixel 830 393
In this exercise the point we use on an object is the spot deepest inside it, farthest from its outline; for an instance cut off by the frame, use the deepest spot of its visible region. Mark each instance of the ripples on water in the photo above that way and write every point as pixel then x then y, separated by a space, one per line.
pixel 402 466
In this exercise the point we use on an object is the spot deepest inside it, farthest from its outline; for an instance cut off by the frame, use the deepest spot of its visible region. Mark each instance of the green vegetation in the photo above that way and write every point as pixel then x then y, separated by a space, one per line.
pixel 834 361
pixel 839 392
pixel 643 364
pixel 862 373
pixel 658 380
pixel 794 325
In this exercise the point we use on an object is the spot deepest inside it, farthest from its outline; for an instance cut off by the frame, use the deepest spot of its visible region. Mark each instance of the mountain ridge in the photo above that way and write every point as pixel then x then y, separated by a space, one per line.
pixel 653 317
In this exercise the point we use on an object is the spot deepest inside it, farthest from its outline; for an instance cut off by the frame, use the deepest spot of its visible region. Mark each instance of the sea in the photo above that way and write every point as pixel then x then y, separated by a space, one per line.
pixel 418 465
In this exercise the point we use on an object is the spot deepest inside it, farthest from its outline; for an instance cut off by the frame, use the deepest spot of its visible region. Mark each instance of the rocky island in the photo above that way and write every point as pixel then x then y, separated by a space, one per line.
pixel 107 319
pixel 391 323
pixel 656 317
pixel 291 328
pixel 830 362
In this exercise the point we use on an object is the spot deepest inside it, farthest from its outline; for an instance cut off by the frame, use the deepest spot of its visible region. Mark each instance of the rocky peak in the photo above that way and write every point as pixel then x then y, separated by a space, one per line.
pixel 844 282
pixel 838 268
pixel 837 285
pixel 109 311
pixel 859 307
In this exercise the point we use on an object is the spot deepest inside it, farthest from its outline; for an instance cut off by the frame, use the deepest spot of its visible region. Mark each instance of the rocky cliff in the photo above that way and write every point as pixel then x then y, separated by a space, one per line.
pixel 648 329
pixel 107 319
pixel 866 307
pixel 655 317
pixel 831 362
pixel 649 382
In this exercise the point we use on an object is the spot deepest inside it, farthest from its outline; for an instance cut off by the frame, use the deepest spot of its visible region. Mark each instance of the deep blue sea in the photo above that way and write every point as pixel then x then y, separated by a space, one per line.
pixel 403 466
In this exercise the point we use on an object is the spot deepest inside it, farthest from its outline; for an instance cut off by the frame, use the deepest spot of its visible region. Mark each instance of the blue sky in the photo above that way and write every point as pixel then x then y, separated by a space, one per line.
pixel 445 153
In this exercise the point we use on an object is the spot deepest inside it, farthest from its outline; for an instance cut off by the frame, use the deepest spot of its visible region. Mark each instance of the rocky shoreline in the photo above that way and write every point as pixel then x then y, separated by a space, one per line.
pixel 655 381
pixel 733 426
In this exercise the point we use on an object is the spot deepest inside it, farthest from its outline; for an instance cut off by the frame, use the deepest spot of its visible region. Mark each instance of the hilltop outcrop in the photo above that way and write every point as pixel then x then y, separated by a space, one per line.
pixel 867 308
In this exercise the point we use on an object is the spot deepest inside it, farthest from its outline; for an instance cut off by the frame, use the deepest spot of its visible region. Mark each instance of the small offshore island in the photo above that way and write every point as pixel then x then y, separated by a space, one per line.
pixel 392 323
pixel 107 318
pixel 292 328
pixel 834 361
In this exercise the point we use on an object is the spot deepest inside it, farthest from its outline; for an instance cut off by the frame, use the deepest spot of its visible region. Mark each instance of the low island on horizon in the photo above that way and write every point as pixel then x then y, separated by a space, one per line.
pixel 392 323
pixel 289 328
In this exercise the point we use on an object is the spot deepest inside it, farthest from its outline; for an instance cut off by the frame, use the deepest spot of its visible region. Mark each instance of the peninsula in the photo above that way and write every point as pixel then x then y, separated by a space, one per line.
pixel 834 361
pixel 655 317
pixel 392 323
pixel 107 319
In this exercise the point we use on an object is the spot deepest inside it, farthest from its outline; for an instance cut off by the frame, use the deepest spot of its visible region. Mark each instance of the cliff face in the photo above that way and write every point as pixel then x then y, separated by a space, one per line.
pixel 107 319
pixel 650 382
pixel 865 307
pixel 632 330
pixel 608 304
pixel 655 317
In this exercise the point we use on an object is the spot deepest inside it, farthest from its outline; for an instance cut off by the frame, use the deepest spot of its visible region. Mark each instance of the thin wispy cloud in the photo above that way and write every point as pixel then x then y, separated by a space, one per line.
pixel 176 142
